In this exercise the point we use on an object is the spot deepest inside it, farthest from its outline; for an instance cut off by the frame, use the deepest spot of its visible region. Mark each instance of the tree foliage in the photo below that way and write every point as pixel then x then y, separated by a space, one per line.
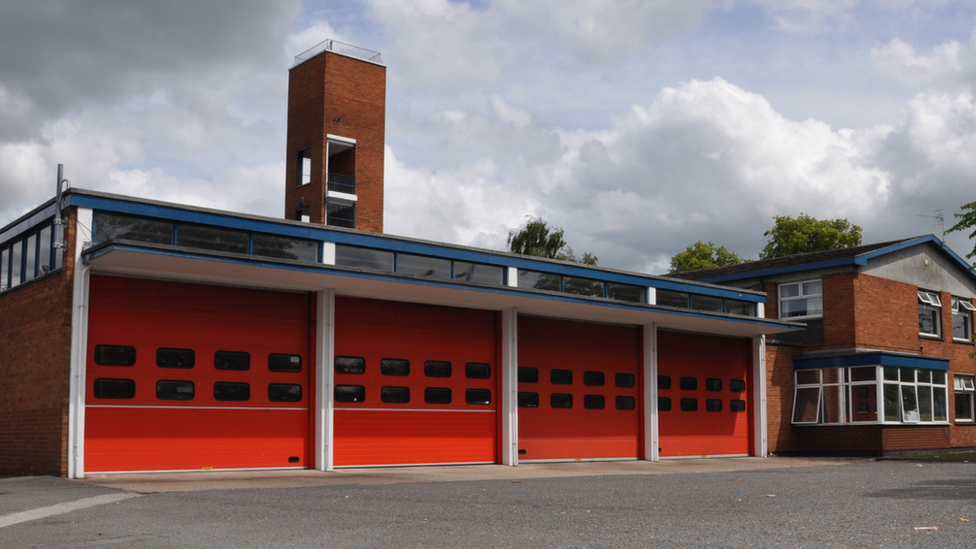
pixel 807 234
pixel 702 255
pixel 541 240
pixel 967 220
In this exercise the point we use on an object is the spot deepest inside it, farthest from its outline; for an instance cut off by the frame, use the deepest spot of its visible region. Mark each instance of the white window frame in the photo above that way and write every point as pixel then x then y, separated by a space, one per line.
pixel 967 305
pixel 800 296
pixel 928 300
pixel 964 386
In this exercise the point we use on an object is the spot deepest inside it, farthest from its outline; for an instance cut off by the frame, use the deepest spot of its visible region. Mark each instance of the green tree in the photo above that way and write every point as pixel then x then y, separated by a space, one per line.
pixel 807 234
pixel 967 220
pixel 541 240
pixel 702 255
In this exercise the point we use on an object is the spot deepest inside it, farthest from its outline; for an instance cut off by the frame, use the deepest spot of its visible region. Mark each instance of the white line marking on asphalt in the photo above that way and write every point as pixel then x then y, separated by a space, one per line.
pixel 61 508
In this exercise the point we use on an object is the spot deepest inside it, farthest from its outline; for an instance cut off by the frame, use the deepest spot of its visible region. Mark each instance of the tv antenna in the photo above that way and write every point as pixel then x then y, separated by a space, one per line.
pixel 938 215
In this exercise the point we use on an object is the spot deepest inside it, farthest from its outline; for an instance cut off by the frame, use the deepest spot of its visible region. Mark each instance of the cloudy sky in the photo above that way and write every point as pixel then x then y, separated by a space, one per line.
pixel 638 126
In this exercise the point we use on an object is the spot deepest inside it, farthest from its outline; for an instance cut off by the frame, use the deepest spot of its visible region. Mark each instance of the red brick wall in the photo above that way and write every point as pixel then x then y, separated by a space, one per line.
pixel 780 437
pixel 339 95
pixel 35 320
pixel 871 439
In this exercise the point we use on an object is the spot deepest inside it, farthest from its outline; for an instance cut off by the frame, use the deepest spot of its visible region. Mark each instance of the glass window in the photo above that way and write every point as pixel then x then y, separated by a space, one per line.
pixel 355 365
pixel 626 292
pixel 688 383
pixel 561 400
pixel 707 303
pixel 736 307
pixel 736 405
pixel 528 400
pixel 713 405
pixel 664 383
pixel 624 380
pixel 962 318
pixel 528 375
pixel 481 274
pixel 594 402
pixel 670 298
pixel 344 393
pixel 232 360
pixel 929 313
pixel 395 395
pixel 232 391
pixel 423 266
pixel 435 368
pixel 963 392
pixel 713 384
pixel 593 379
pixel 437 395
pixel 16 255
pixel 212 238
pixel 115 355
pixel 395 367
pixel 663 404
pixel 169 389
pixel 801 300
pixel 583 286
pixel 285 247
pixel 106 227
pixel 561 377
pixel 806 405
pixel 44 251
pixel 284 363
pixel 689 405
pixel 115 388
pixel 477 396
pixel 304 167
pixel 539 281
pixel 175 358
pixel 477 370
pixel 737 385
pixel 284 392
pixel 4 268
pixel 363 258
pixel 807 377
pixel 627 403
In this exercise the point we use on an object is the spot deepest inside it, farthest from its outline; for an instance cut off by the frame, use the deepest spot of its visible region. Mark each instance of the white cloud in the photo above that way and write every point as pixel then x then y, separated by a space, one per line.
pixel 899 60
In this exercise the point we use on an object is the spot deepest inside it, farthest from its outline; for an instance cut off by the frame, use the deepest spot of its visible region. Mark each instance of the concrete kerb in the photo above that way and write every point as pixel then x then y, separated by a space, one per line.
pixel 239 480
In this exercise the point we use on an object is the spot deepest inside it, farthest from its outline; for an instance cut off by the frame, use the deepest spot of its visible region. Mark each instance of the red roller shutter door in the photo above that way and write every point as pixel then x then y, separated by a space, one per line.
pixel 579 386
pixel 704 395
pixel 157 414
pixel 414 384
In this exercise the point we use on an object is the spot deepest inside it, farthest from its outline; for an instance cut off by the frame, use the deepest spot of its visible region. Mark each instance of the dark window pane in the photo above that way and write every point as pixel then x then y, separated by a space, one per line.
pixel 626 403
pixel 706 303
pixel 343 393
pixel 175 358
pixel 583 286
pixel 561 400
pixel 16 251
pixel 482 274
pixel 713 384
pixel 284 392
pixel 237 392
pixel 528 400
pixel 561 377
pixel 737 307
pixel 437 395
pixel 285 247
pixel 395 395
pixel 106 227
pixel 115 388
pixel 713 405
pixel 689 405
pixel 436 368
pixel 663 383
pixel 538 281
pixel 395 367
pixel 477 370
pixel 115 355
pixel 211 238
pixel 284 363
pixel 737 385
pixel 167 389
pixel 4 268
pixel 737 405
pixel 663 404
pixel 232 360
pixel 44 251
pixel 528 375
pixel 688 383
pixel 593 379
pixel 625 292
pixel 624 380
pixel 477 396
pixel 30 249
pixel 594 402
pixel 672 299
pixel 363 258
pixel 423 266
pixel 350 365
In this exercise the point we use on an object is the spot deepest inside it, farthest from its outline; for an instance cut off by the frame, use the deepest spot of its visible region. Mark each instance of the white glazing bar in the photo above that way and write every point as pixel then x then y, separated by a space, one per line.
pixel 509 373
pixel 759 395
pixel 328 253
pixel 324 378
pixel 650 393
pixel 79 347
pixel 512 278
pixel 652 296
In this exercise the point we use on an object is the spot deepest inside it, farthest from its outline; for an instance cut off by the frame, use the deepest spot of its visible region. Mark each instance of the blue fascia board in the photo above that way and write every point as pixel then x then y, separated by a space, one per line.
pixel 782 270
pixel 872 359
pixel 396 244
pixel 89 256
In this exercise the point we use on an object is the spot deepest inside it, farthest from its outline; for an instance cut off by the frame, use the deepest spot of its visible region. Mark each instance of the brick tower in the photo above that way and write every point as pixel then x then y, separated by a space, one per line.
pixel 336 134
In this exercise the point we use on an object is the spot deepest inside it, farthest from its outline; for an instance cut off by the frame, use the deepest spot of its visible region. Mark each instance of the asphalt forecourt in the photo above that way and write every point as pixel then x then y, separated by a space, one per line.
pixel 774 502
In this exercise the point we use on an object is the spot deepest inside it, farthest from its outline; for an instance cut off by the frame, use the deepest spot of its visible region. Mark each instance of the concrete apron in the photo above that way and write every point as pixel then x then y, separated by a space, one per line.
pixel 238 480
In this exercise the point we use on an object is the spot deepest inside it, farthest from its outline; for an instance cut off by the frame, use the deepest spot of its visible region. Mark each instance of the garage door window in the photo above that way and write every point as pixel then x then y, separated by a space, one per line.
pixel 477 370
pixel 350 365
pixel 115 355
pixel 663 404
pixel 689 405
pixel 174 390
pixel 561 377
pixel 688 384
pixel 594 402
pixel 528 400
pixel 663 383
pixel 343 393
pixel 175 358
pixel 593 379
pixel 232 360
pixel 231 391
pixel 285 363
pixel 561 400
pixel 477 396
pixel 528 375
pixel 736 405
pixel 395 395
pixel 286 392
pixel 115 388
pixel 434 368
pixel 437 395
pixel 713 405
pixel 395 367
